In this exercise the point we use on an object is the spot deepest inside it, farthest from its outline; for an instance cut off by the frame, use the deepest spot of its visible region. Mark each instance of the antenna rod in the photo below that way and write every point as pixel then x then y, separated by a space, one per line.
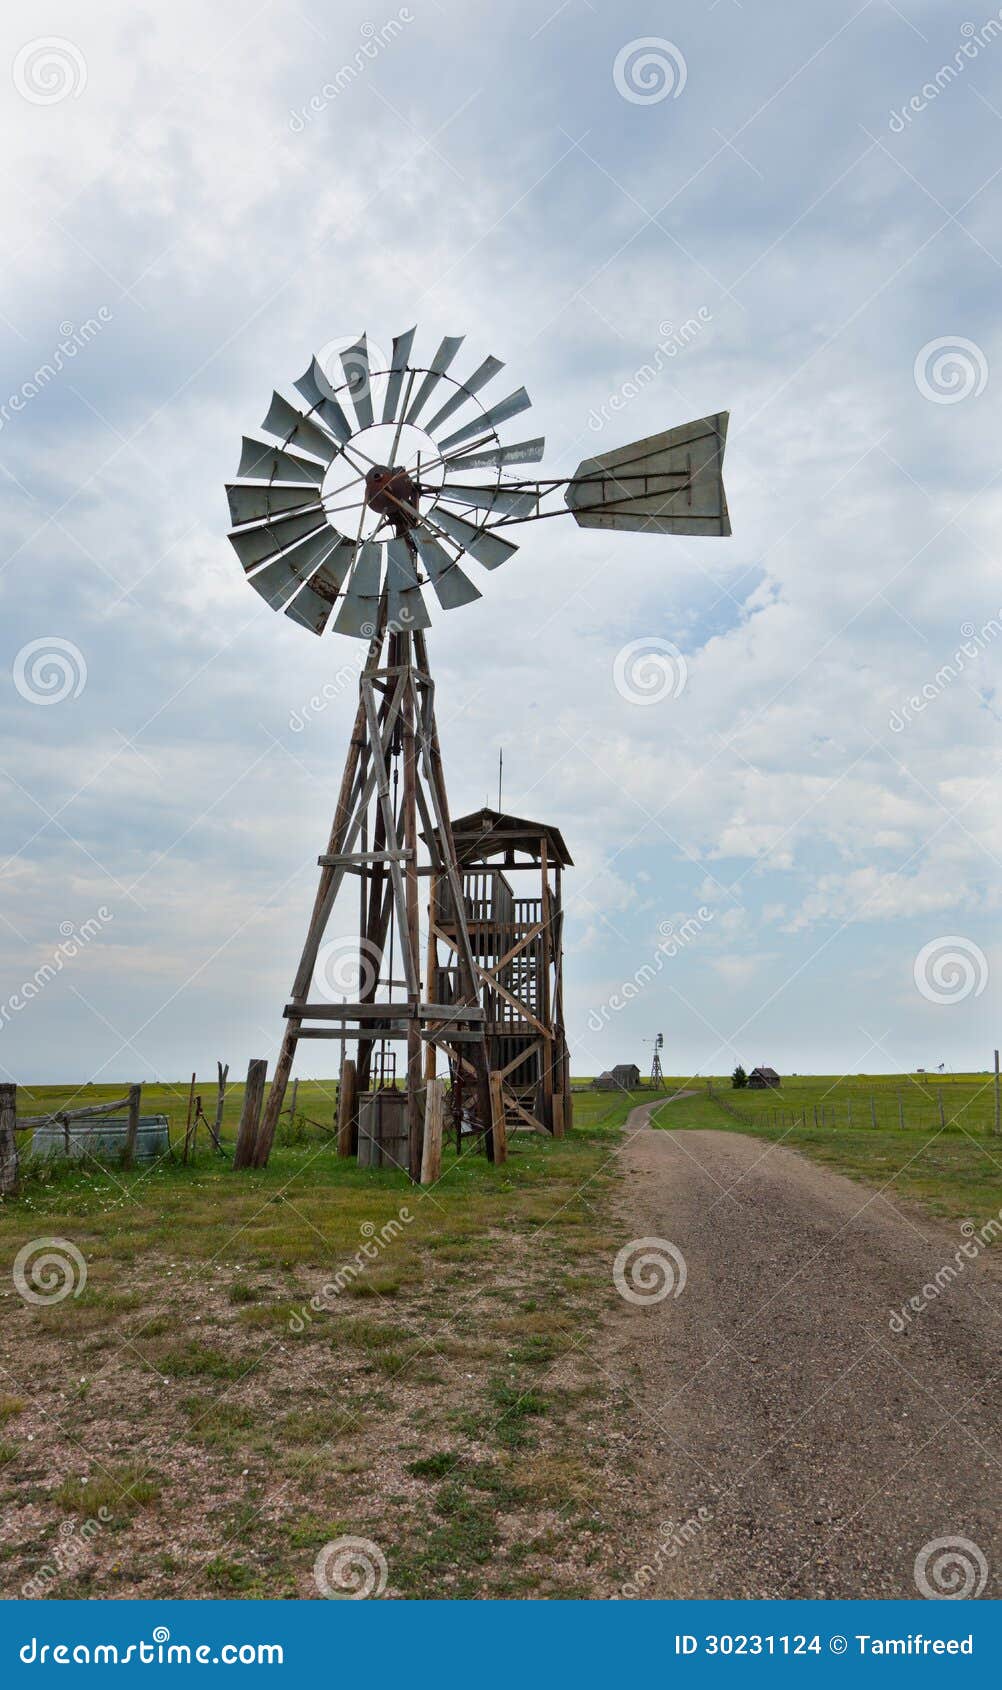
pixel 500 768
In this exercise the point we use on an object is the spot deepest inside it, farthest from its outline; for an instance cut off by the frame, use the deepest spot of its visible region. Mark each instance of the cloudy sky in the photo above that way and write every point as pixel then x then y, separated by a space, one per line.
pixel 197 198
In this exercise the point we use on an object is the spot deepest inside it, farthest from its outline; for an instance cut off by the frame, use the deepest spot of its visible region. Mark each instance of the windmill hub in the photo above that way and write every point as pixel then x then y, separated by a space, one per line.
pixel 392 493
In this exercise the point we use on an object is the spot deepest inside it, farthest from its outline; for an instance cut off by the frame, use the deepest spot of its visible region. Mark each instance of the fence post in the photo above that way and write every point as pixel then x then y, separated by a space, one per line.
pixel 873 1111
pixel 942 1111
pixel 243 1156
pixel 848 1107
pixel 187 1124
pixel 222 1071
pixel 998 1114
pixel 8 1142
pixel 498 1124
pixel 346 1107
pixel 901 1112
pixel 132 1127
pixel 434 1116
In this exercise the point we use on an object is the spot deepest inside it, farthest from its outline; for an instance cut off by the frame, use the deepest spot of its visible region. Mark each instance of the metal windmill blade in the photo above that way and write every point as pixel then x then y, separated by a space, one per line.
pixel 402 520
pixel 341 513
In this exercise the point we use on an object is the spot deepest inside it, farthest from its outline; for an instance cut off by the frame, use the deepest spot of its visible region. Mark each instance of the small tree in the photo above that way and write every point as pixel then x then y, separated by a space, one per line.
pixel 739 1078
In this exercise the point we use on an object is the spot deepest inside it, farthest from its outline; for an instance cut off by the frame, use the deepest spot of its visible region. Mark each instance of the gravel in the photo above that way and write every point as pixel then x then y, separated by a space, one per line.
pixel 824 1449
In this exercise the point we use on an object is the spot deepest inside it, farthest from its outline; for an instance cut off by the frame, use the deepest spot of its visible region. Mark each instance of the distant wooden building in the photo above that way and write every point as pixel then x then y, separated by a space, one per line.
pixel 761 1079
pixel 624 1077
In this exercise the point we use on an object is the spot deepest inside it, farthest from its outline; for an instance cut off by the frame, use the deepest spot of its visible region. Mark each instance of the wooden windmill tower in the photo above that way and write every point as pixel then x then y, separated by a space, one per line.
pixel 377 481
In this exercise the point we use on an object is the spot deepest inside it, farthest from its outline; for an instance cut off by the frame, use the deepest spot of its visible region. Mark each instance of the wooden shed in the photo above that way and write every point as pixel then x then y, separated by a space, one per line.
pixel 624 1077
pixel 761 1079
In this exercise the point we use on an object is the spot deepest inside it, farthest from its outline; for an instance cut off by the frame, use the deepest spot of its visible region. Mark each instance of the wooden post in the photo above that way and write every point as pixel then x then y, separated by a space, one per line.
pixel 8 1142
pixel 293 1101
pixel 318 920
pixel 132 1127
pixel 998 1113
pixel 434 1117
pixel 243 1156
pixel 187 1124
pixel 558 1114
pixel 499 1125
pixel 873 1111
pixel 431 980
pixel 942 1111
pixel 848 1109
pixel 220 1101
pixel 544 1008
pixel 901 1111
pixel 415 1058
pixel 346 1093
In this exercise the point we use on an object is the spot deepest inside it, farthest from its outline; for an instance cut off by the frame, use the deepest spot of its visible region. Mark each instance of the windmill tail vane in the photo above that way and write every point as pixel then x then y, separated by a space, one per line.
pixel 384 474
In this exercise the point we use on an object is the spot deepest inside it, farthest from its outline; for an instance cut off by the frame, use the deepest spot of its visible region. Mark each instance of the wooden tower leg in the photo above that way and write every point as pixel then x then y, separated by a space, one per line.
pixel 469 980
pixel 415 1109
pixel 395 714
pixel 543 1003
pixel 315 932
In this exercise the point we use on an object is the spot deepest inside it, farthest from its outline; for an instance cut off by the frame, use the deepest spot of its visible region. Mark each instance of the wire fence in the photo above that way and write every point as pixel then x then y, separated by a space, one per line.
pixel 968 1105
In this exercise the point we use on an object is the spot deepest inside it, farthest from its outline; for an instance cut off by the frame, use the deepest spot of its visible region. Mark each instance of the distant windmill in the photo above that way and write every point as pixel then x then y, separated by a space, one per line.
pixel 657 1077
pixel 363 503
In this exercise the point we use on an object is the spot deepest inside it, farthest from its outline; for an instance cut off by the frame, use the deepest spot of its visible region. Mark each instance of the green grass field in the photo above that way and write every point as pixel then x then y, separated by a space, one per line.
pixel 932 1134
pixel 945 1156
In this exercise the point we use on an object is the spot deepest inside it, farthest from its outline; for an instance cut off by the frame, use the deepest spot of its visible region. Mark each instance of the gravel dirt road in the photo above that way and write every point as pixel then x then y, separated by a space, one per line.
pixel 826 1450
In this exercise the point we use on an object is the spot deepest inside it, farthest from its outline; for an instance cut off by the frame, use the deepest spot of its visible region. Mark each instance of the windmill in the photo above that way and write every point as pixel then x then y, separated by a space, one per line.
pixel 657 1075
pixel 373 486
